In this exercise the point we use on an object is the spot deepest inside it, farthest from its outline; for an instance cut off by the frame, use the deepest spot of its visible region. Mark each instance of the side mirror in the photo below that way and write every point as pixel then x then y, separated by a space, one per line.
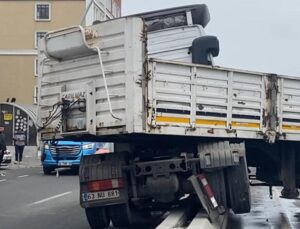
pixel 203 47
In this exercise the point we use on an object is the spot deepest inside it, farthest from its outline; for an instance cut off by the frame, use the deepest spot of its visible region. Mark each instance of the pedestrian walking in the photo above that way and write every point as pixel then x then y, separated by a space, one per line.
pixel 2 146
pixel 19 139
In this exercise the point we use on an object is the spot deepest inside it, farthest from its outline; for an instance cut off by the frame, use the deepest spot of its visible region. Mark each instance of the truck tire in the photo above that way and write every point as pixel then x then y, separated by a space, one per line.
pixel 121 215
pixel 97 217
pixel 238 189
pixel 47 170
pixel 216 181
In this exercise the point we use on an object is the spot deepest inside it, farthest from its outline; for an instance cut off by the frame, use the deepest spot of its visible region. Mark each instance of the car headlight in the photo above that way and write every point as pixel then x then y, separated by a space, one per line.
pixel 88 146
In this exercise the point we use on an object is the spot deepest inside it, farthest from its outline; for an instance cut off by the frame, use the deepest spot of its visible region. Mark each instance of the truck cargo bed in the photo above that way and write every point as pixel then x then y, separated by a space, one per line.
pixel 197 100
pixel 141 95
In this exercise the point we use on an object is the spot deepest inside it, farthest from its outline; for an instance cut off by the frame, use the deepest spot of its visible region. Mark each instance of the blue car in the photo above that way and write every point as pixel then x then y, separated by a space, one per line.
pixel 66 154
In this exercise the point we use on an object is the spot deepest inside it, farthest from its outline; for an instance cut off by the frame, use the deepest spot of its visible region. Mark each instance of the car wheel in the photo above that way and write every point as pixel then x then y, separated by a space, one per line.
pixel 47 170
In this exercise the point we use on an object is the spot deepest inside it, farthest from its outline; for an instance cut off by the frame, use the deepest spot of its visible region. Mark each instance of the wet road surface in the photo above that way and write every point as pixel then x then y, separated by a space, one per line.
pixel 276 213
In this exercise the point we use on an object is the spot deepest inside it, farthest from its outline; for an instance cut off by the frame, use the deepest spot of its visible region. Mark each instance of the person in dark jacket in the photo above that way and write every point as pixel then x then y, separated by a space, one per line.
pixel 2 143
pixel 2 146
pixel 19 139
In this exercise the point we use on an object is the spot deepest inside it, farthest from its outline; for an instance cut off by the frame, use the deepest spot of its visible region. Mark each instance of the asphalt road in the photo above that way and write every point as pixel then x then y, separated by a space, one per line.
pixel 29 199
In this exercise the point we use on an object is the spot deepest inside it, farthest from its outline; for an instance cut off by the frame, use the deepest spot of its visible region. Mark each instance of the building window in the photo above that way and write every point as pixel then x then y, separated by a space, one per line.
pixel 118 11
pixel 38 36
pixel 101 2
pixel 109 5
pixel 43 12
pixel 36 67
pixel 116 8
pixel 35 95
pixel 99 15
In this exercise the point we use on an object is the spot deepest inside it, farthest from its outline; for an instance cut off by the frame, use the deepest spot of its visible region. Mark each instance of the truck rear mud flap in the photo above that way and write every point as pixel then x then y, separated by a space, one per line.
pixel 102 180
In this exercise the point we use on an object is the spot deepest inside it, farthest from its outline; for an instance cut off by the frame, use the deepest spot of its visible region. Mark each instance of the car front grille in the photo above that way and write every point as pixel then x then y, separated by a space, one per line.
pixel 65 150
pixel 64 158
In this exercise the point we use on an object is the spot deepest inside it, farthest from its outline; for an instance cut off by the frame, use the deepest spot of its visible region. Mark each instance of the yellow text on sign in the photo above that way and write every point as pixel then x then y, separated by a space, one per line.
pixel 8 117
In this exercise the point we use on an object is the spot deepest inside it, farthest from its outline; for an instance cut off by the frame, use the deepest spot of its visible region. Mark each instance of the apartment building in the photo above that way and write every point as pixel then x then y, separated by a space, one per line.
pixel 22 23
pixel 102 10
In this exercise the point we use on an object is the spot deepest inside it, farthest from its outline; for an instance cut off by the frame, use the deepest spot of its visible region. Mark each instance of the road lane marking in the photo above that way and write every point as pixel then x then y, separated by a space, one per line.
pixel 23 176
pixel 3 180
pixel 50 198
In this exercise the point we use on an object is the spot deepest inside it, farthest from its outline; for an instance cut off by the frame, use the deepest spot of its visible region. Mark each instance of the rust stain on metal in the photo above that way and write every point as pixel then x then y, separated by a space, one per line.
pixel 92 38
pixel 211 131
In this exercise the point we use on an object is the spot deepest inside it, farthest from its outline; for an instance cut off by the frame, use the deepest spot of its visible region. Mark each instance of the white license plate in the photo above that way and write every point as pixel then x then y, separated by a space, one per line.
pixel 90 196
pixel 64 163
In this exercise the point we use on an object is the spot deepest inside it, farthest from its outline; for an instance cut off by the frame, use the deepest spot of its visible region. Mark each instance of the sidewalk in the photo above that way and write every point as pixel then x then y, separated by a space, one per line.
pixel 31 158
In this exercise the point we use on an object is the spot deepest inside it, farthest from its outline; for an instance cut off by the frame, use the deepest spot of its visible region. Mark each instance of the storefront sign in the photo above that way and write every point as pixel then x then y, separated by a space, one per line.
pixel 8 117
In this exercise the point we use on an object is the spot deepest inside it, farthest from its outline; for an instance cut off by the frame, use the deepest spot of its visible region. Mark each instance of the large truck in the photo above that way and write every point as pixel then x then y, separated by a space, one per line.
pixel 180 125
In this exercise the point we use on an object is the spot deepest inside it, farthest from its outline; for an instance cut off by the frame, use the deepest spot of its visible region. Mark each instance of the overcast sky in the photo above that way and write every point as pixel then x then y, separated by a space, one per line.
pixel 261 35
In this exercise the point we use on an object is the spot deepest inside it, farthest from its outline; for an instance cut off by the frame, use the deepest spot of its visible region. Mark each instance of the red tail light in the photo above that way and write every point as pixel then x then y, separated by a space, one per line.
pixel 101 185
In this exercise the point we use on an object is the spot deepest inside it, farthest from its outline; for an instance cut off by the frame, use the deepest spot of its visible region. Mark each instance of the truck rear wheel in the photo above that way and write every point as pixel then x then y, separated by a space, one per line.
pixel 238 190
pixel 217 182
pixel 121 215
pixel 97 217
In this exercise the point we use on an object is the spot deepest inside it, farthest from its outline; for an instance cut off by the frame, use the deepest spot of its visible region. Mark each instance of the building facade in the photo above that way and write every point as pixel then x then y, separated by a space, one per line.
pixel 15 117
pixel 102 10
pixel 22 23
